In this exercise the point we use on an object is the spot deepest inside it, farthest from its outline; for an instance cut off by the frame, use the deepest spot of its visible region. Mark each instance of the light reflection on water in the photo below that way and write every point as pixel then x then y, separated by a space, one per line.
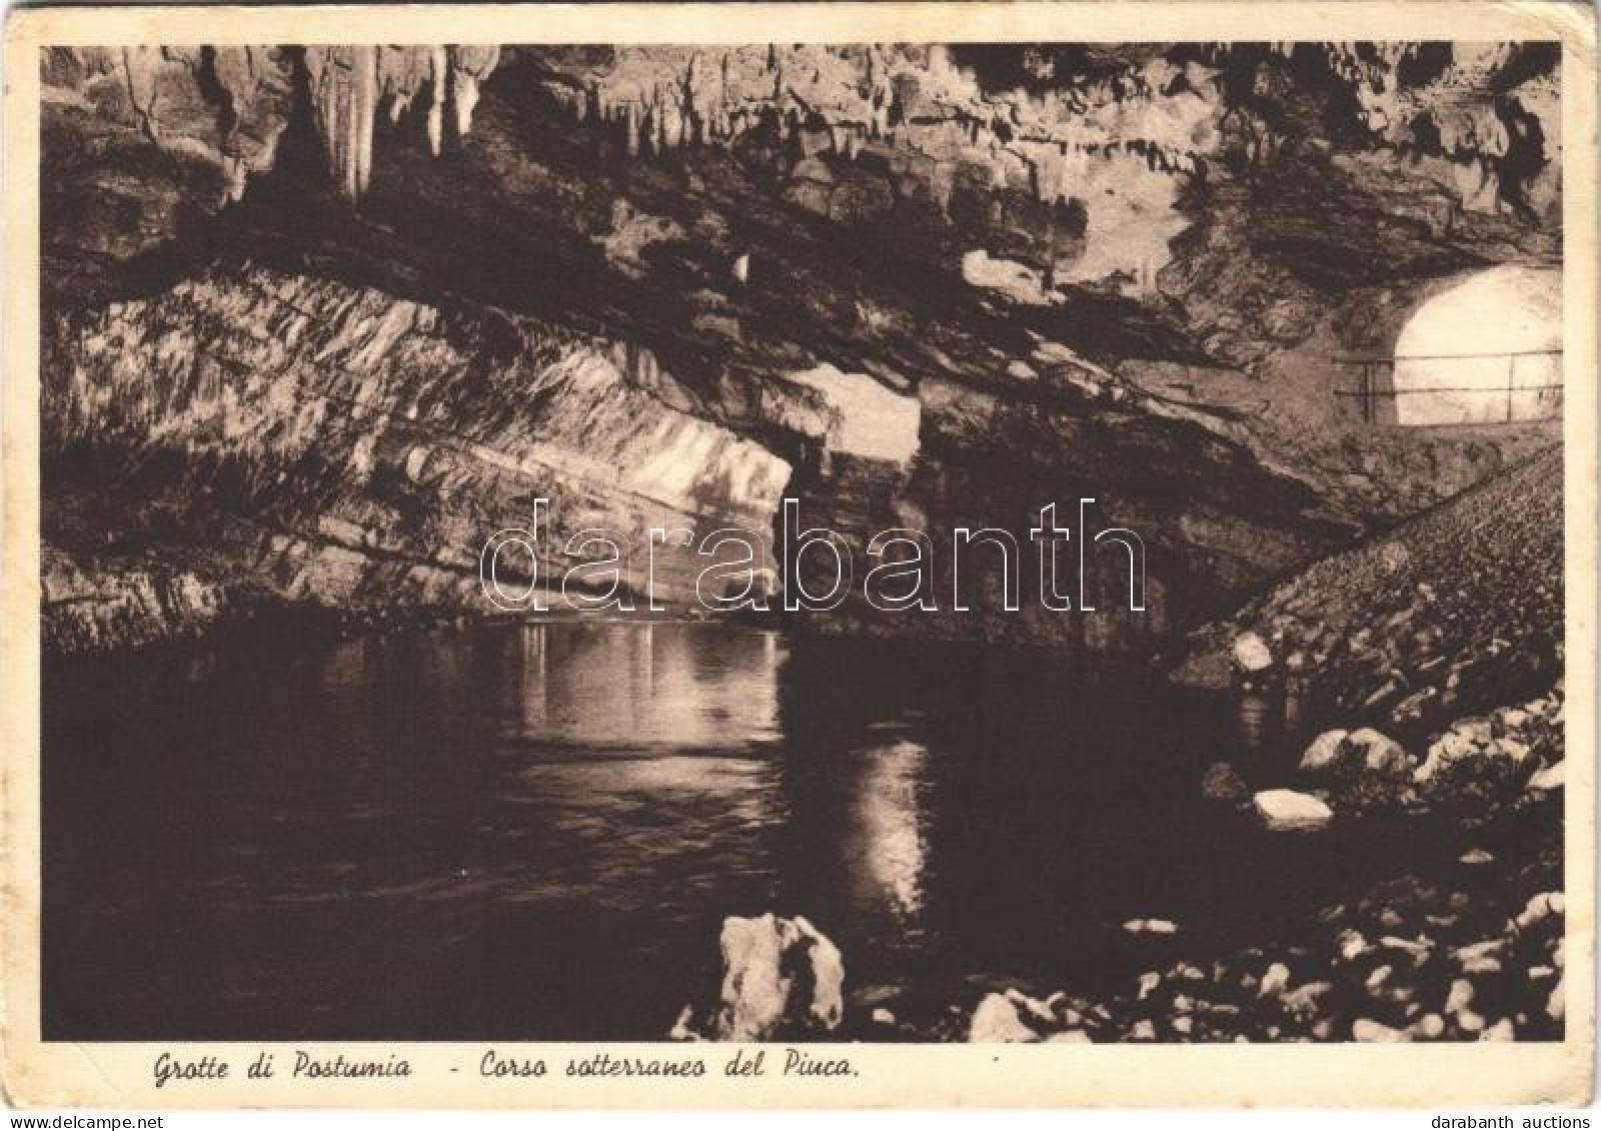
pixel 888 828
pixel 618 684
pixel 536 831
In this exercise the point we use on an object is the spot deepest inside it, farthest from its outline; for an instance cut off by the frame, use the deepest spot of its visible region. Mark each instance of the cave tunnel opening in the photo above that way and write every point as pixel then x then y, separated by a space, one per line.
pixel 1486 349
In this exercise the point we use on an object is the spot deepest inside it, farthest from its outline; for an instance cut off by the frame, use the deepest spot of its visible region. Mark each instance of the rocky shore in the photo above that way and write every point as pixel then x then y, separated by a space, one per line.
pixel 1475 954
pixel 1438 647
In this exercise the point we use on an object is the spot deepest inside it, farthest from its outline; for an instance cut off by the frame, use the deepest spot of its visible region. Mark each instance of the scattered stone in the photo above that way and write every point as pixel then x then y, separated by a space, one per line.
pixel 1556 1003
pixel 1476 856
pixel 1304 1001
pixel 996 1022
pixel 1221 782
pixel 1369 1031
pixel 1418 949
pixel 1251 654
pixel 1459 998
pixel 1040 1011
pixel 683 1029
pixel 1350 945
pixel 1379 752
pixel 1275 981
pixel 1430 1026
pixel 1150 927
pixel 1549 778
pixel 1539 908
pixel 1324 752
pixel 1285 810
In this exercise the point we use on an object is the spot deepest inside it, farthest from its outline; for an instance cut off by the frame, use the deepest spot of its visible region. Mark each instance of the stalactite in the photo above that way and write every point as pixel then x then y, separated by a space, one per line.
pixel 349 83
pixel 632 125
pixel 439 66
pixel 470 66
pixel 364 112
pixel 1479 101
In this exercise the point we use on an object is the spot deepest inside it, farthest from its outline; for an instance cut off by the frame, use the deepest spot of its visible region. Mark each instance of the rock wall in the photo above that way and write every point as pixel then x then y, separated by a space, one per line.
pixel 1456 611
pixel 373 445
pixel 923 286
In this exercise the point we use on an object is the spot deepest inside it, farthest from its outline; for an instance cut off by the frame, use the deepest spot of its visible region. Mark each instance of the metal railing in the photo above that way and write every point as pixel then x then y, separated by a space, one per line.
pixel 1368 394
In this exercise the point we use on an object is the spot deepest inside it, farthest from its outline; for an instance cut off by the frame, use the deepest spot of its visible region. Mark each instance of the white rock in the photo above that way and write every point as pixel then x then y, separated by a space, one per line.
pixel 684 1029
pixel 760 990
pixel 1513 718
pixel 1251 653
pixel 1552 777
pixel 1275 981
pixel 1285 810
pixel 995 1022
pixel 1150 927
pixel 1429 1026
pixel 1324 752
pixel 1446 750
pixel 1303 1000
pixel 1539 908
pixel 1351 944
pixel 1039 1010
pixel 1371 1032
pixel 1502 1030
pixel 1418 948
pixel 1379 752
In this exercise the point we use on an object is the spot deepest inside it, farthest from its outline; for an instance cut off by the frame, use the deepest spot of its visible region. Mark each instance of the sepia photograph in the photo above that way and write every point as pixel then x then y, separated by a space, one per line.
pixel 638 547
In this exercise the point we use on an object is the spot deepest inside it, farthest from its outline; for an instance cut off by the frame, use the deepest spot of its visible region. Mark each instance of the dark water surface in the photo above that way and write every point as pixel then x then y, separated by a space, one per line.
pixel 535 832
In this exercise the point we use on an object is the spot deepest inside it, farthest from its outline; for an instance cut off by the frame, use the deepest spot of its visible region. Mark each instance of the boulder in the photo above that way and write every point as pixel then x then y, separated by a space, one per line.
pixel 1251 654
pixel 1325 752
pixel 1222 782
pixel 779 976
pixel 1469 739
pixel 1549 778
pixel 996 1022
pixel 1285 810
pixel 1378 751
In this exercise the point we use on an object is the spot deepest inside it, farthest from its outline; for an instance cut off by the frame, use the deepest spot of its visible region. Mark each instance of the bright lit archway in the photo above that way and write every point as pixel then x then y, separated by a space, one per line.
pixel 1487 350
